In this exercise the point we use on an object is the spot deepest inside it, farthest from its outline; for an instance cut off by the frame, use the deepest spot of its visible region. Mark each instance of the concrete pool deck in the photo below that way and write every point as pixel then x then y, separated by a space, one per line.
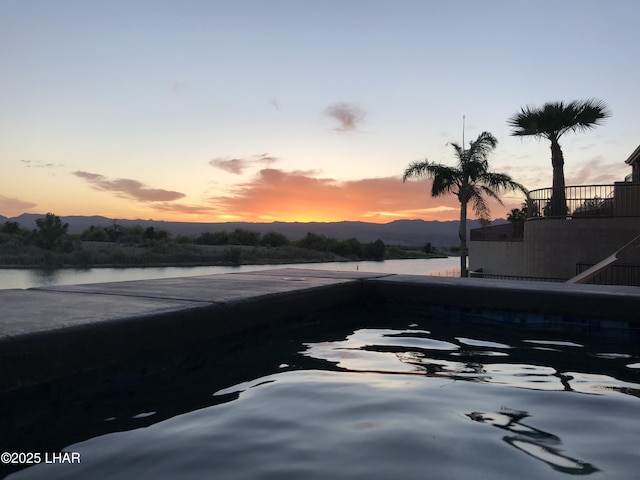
pixel 50 332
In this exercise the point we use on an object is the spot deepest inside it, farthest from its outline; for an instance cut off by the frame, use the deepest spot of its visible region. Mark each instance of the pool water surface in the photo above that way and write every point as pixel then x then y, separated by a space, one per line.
pixel 391 395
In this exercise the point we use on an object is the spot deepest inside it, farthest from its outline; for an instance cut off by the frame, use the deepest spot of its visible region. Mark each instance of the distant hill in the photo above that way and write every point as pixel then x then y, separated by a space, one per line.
pixel 398 232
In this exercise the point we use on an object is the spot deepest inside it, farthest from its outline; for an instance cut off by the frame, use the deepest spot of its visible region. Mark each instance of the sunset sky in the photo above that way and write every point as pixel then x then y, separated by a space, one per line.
pixel 294 110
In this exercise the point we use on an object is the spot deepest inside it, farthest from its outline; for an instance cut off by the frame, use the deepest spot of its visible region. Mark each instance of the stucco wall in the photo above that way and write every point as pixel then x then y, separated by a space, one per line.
pixel 497 258
pixel 552 248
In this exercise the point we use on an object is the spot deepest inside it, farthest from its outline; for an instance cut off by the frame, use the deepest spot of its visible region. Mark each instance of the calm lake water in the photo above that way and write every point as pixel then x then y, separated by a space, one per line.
pixel 29 278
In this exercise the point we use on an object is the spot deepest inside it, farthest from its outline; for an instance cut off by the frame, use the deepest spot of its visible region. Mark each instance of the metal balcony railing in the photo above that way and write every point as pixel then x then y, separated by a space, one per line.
pixel 621 199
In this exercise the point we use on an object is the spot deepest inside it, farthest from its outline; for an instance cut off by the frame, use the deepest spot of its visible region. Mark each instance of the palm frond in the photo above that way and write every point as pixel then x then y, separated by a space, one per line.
pixel 554 119
pixel 416 169
pixel 587 114
pixel 526 122
pixel 475 169
pixel 480 207
pixel 490 192
pixel 459 152
pixel 480 148
pixel 444 177
pixel 501 182
pixel 445 183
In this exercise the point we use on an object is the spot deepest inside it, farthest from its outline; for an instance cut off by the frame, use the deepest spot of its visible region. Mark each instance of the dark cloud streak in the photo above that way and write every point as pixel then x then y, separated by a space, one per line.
pixel 233 165
pixel 237 166
pixel 128 188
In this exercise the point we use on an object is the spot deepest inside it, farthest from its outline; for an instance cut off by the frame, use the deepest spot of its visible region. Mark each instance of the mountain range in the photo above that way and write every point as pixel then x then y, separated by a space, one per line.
pixel 397 232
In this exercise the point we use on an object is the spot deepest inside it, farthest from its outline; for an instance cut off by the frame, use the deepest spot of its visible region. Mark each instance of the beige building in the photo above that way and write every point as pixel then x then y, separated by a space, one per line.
pixel 600 220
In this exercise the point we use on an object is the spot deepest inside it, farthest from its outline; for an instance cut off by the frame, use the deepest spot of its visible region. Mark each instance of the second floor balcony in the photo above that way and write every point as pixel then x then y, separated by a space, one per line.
pixel 621 199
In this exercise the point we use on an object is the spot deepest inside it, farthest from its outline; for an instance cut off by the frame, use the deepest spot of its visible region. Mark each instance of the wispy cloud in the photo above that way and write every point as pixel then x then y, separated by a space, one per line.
pixel 237 166
pixel 231 165
pixel 531 176
pixel 127 188
pixel 13 206
pixel 597 171
pixel 349 117
pixel 40 164
pixel 196 210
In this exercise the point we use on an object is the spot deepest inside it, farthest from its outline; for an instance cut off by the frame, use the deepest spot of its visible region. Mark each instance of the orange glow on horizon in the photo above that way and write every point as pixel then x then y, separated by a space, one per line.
pixel 304 216
pixel 271 195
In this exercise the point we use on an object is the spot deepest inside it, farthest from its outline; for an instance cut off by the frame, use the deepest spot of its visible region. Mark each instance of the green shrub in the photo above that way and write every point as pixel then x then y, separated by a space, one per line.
pixel 375 250
pixel 348 248
pixel 274 239
pixel 50 231
pixel 241 236
pixel 95 234
pixel 313 241
pixel 216 238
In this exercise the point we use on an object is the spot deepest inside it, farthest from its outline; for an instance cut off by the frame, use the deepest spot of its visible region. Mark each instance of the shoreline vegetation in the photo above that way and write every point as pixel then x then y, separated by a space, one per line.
pixel 50 246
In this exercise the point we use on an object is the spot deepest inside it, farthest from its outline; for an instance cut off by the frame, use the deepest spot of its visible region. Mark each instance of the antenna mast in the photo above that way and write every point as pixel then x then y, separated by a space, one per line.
pixel 463 133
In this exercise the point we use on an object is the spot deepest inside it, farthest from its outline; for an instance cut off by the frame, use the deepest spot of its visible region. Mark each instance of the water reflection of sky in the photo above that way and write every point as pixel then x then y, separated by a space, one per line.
pixel 540 444
pixel 28 278
pixel 487 361
pixel 419 352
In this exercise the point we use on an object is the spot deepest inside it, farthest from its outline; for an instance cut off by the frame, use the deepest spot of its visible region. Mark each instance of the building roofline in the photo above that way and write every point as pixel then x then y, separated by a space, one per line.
pixel 634 157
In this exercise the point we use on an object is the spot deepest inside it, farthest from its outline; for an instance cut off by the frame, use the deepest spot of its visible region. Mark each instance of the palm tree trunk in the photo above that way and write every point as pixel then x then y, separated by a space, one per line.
pixel 462 233
pixel 558 196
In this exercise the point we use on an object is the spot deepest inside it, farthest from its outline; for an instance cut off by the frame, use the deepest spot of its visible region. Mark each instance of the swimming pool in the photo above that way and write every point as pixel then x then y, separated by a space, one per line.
pixel 371 393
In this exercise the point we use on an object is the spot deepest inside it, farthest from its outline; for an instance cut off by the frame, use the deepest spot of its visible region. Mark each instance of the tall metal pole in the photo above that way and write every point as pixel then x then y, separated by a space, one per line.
pixel 462 232
pixel 463 133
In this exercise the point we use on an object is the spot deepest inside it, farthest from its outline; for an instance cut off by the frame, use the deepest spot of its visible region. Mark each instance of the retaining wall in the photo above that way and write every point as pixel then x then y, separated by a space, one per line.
pixel 553 247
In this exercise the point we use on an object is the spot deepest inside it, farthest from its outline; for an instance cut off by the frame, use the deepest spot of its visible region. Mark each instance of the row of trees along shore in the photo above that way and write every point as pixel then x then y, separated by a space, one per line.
pixel 471 180
pixel 49 245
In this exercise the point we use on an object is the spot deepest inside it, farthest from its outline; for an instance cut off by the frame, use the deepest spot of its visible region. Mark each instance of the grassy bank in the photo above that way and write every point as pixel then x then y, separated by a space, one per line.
pixel 98 254
pixel 104 254
pixel 108 254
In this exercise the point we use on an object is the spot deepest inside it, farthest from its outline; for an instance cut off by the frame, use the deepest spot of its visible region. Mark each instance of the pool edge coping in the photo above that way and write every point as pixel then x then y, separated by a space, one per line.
pixel 39 356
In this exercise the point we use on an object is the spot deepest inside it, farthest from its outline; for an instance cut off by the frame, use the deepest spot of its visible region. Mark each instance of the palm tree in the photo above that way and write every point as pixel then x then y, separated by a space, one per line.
pixel 551 122
pixel 470 180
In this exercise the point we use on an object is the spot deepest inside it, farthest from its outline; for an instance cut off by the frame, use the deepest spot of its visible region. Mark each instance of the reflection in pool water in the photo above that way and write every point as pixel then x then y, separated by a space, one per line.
pixel 542 445
pixel 404 399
